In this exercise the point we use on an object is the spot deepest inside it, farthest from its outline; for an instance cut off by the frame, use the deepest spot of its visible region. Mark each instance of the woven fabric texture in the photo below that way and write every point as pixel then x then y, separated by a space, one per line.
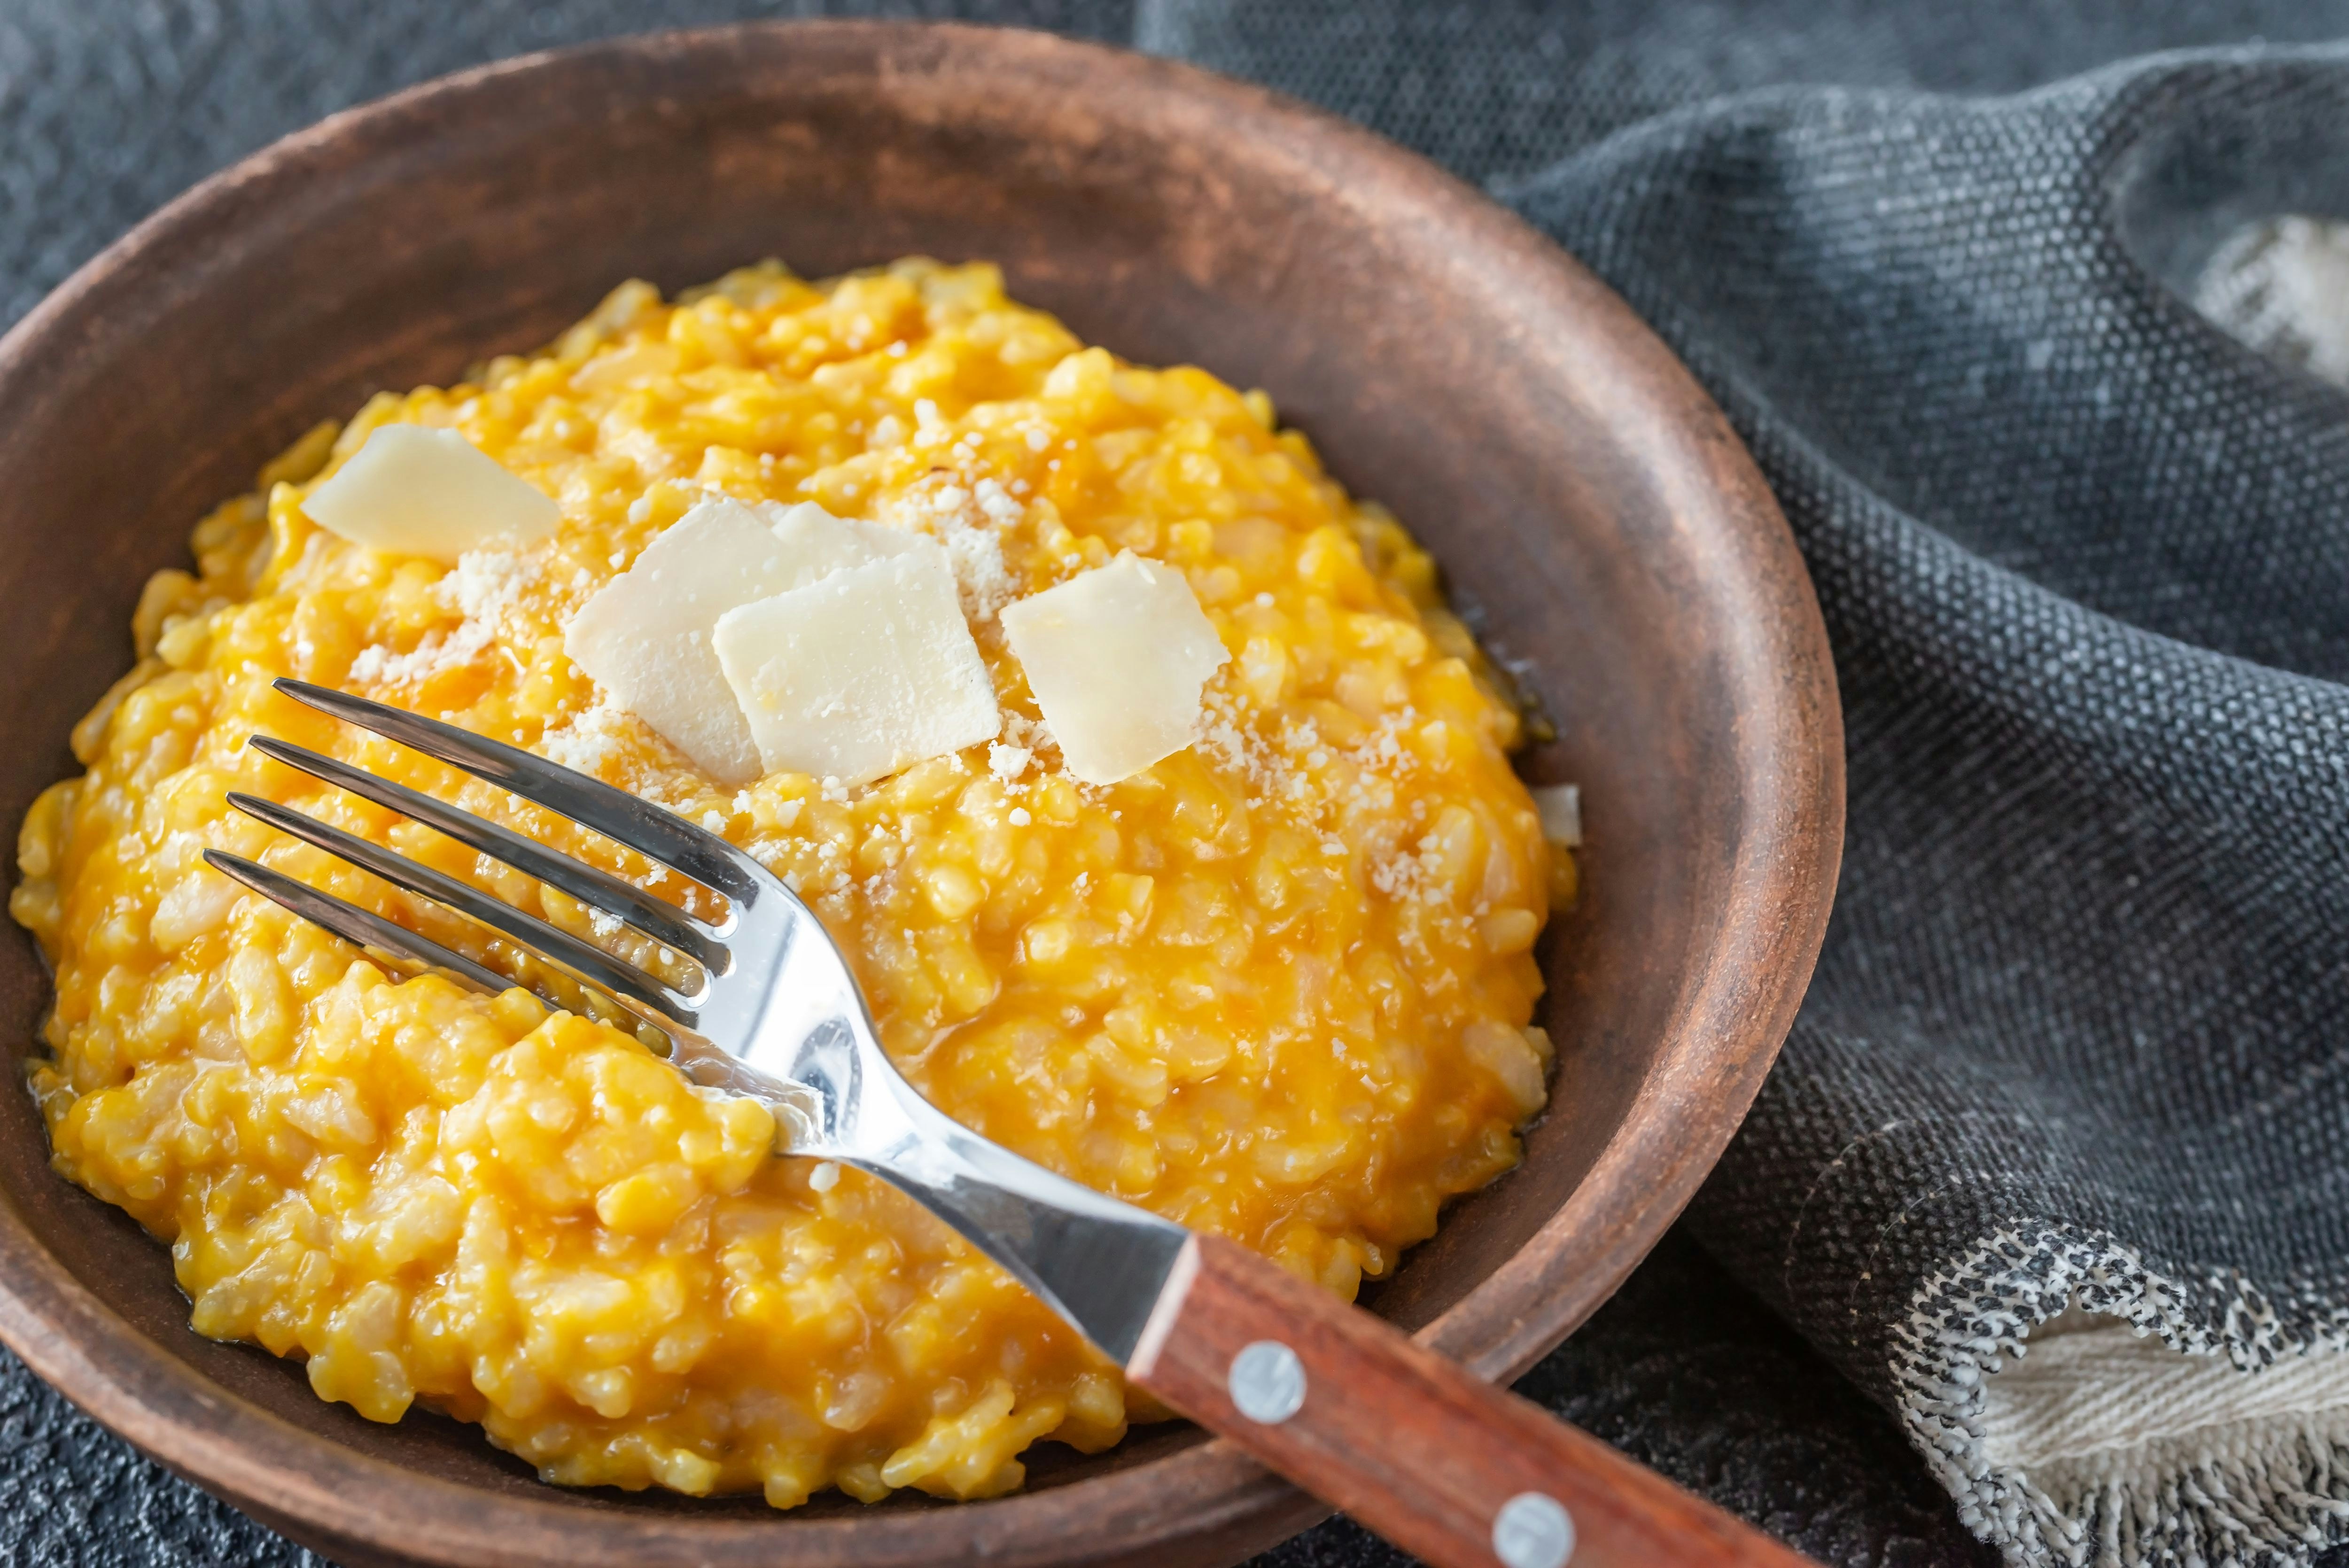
pixel 2082 555
pixel 2076 1039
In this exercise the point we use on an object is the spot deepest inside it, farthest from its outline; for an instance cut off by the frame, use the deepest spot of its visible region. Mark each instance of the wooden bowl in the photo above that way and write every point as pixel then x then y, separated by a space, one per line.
pixel 1586 497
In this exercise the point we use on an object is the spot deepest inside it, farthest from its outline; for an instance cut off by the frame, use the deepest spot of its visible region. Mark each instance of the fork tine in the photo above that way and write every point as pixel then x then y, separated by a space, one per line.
pixel 371 932
pixel 588 965
pixel 663 921
pixel 617 815
pixel 362 927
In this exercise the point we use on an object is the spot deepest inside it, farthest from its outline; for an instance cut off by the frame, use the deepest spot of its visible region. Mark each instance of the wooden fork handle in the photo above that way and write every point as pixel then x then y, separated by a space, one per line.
pixel 1409 1442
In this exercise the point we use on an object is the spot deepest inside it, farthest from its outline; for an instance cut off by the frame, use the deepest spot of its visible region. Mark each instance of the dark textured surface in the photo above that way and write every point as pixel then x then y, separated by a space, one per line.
pixel 1682 1370
pixel 2082 559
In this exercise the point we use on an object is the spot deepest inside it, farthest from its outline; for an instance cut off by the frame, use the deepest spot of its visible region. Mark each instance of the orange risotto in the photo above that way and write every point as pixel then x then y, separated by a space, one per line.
pixel 1276 986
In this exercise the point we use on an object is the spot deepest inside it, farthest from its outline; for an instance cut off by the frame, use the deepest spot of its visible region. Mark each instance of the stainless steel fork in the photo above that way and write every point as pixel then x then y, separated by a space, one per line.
pixel 1415 1447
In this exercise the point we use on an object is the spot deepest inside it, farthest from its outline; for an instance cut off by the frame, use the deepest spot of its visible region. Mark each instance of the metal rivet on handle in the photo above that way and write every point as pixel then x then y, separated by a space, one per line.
pixel 1533 1530
pixel 1268 1382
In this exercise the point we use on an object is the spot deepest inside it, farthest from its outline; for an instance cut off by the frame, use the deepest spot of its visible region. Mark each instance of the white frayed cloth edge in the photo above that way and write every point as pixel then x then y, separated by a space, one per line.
pixel 2281 286
pixel 2085 1411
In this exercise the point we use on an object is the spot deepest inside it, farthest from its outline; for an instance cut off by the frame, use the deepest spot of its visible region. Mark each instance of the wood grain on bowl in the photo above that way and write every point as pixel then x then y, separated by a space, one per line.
pixel 1585 496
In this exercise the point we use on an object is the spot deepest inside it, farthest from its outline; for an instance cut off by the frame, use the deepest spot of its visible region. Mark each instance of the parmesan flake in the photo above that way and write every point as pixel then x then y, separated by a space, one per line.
pixel 1560 806
pixel 863 673
pixel 645 637
pixel 410 490
pixel 816 545
pixel 648 637
pixel 1117 657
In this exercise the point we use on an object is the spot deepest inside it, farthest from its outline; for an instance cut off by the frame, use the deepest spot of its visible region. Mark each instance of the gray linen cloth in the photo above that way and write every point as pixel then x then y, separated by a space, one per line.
pixel 2075 1073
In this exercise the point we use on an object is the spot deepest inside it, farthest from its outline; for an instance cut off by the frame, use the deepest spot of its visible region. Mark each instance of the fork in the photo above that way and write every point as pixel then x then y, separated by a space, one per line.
pixel 1415 1446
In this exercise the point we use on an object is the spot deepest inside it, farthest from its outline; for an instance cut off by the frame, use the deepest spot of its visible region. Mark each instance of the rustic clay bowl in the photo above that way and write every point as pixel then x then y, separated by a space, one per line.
pixel 1584 495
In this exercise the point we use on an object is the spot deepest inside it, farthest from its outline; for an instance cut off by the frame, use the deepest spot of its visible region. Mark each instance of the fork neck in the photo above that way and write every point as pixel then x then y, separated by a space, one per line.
pixel 802 1041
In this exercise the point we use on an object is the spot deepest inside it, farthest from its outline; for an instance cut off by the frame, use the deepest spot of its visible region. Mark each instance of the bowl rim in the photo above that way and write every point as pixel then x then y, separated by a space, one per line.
pixel 339 1499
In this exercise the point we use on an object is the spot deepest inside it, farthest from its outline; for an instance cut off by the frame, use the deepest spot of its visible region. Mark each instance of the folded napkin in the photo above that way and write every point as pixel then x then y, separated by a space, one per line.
pixel 2074 1076
pixel 2056 1165
pixel 2077 1049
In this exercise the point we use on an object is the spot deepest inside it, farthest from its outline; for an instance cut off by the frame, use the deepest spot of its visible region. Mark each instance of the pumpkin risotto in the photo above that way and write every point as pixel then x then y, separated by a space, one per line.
pixel 1275 985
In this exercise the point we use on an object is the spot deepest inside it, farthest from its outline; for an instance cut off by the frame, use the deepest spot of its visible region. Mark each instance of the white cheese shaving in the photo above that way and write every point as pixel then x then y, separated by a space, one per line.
pixel 646 635
pixel 1117 657
pixel 816 545
pixel 865 672
pixel 414 491
pixel 1560 806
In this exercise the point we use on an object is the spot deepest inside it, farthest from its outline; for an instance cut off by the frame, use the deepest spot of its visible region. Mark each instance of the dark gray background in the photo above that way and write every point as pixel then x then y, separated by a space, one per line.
pixel 107 110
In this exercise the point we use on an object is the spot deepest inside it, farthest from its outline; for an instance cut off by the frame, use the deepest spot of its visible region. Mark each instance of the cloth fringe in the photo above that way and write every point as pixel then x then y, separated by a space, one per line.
pixel 2258 1492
